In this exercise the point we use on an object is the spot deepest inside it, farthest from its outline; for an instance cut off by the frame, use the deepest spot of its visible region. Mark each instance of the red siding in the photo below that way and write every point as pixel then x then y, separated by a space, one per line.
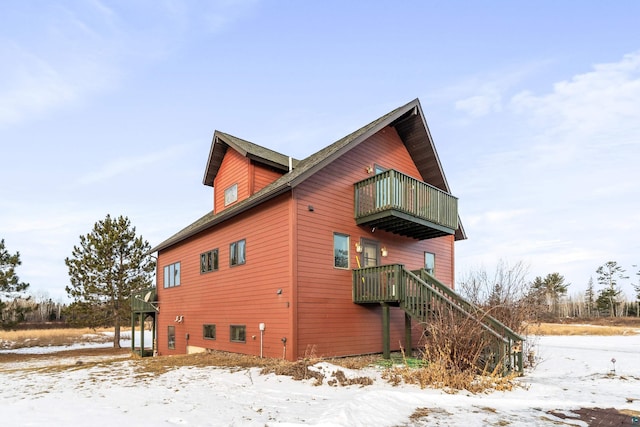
pixel 263 176
pixel 289 247
pixel 245 294
pixel 327 318
pixel 233 170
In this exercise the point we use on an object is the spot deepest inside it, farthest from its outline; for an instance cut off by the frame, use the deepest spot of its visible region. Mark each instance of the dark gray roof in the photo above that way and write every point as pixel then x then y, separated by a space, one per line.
pixel 409 123
pixel 221 141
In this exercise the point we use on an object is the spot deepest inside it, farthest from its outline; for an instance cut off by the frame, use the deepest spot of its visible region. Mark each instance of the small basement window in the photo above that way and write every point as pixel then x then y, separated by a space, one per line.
pixel 209 332
pixel 238 333
pixel 171 337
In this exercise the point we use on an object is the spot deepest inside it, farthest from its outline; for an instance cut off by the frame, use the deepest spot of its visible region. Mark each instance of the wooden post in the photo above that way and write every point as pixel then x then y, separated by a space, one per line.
pixel 408 345
pixel 386 339
pixel 133 332
pixel 154 342
pixel 142 334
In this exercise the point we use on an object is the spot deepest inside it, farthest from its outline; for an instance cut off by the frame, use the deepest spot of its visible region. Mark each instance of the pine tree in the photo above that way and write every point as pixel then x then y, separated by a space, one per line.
pixel 10 288
pixel 110 263
pixel 551 288
pixel 608 275
pixel 589 297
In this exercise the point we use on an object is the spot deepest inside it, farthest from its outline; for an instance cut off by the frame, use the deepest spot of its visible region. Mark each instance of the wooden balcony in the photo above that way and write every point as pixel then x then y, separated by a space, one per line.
pixel 400 204
pixel 144 301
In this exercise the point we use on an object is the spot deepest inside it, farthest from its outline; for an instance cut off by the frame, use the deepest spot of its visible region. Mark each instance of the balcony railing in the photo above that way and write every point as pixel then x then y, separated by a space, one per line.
pixel 144 300
pixel 400 204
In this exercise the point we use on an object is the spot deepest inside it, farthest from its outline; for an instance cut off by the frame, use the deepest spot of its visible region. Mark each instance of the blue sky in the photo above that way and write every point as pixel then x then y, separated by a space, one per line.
pixel 110 106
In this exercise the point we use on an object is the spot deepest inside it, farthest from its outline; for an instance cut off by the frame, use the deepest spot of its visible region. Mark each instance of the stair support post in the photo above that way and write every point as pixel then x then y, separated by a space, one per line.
pixel 386 334
pixel 408 345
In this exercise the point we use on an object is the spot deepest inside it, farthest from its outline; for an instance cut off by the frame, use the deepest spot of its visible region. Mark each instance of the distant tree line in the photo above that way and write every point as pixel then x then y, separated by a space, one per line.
pixel 508 294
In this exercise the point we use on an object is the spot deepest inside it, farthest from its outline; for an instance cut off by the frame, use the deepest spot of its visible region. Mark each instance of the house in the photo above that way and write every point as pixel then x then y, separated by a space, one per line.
pixel 341 253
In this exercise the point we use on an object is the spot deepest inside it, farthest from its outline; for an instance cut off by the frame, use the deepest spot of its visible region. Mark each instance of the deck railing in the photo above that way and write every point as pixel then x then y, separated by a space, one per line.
pixel 394 190
pixel 143 300
pixel 421 296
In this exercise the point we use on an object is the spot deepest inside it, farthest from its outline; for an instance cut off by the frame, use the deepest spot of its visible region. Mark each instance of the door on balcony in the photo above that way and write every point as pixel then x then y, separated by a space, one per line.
pixel 370 251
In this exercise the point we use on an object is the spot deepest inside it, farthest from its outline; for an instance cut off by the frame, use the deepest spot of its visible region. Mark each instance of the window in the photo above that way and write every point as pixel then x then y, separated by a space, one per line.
pixel 172 275
pixel 209 332
pixel 238 333
pixel 231 194
pixel 237 253
pixel 171 336
pixel 209 261
pixel 340 250
pixel 430 263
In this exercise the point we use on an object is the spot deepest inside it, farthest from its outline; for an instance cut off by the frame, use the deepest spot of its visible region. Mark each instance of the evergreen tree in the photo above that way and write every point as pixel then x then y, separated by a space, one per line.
pixel 608 275
pixel 550 289
pixel 11 288
pixel 636 286
pixel 108 266
pixel 589 297
pixel 608 300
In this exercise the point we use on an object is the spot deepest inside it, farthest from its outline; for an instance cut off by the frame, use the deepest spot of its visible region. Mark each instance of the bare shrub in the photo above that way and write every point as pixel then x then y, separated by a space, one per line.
pixel 505 294
pixel 455 341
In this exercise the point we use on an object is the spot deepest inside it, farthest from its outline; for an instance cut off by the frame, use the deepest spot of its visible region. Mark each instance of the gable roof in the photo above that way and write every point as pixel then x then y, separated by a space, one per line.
pixel 222 141
pixel 409 123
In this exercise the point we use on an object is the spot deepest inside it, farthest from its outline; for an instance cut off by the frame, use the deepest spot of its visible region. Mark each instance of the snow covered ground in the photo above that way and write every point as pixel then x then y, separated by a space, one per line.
pixel 574 372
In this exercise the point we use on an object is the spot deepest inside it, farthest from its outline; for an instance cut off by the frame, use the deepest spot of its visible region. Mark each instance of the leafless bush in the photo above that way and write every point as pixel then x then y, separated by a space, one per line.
pixel 505 294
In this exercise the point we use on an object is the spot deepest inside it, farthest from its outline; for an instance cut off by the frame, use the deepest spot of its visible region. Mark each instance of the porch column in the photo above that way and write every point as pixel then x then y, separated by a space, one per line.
pixel 407 335
pixel 142 317
pixel 133 331
pixel 154 343
pixel 386 340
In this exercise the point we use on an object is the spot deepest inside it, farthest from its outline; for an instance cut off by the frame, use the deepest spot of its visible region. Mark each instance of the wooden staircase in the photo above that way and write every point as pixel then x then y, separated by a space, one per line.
pixel 422 296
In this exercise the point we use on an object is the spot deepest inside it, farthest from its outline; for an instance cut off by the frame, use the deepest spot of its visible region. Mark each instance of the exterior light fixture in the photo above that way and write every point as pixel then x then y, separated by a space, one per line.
pixel 383 251
pixel 358 247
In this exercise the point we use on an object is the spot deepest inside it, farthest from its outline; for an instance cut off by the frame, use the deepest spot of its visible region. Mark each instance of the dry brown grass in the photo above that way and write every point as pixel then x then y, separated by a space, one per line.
pixel 438 372
pixel 51 337
pixel 580 329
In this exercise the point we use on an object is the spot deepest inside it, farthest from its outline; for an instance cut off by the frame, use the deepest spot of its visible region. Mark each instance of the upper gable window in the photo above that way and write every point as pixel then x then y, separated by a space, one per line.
pixel 231 194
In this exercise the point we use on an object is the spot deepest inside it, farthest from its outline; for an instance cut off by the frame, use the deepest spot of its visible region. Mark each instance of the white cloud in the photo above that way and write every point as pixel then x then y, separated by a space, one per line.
pixel 484 94
pixel 561 191
pixel 125 165
pixel 60 63
pixel 481 105
pixel 223 13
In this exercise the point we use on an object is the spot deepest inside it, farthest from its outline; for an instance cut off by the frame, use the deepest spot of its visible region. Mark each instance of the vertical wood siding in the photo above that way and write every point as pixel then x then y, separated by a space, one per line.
pixel 328 320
